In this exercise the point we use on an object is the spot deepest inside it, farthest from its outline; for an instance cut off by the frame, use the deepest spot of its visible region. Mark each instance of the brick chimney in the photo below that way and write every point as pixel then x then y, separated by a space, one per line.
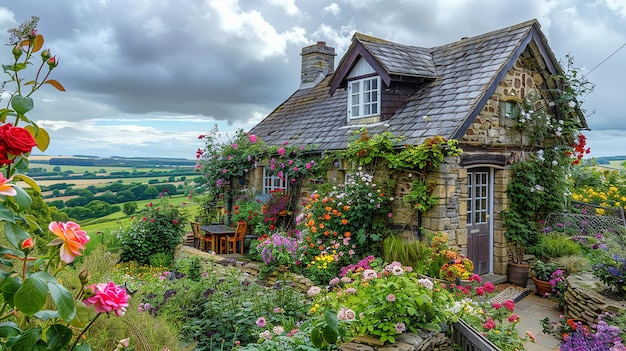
pixel 317 61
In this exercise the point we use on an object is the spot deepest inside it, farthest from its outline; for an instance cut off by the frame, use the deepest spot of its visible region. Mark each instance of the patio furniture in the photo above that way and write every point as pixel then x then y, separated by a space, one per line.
pixel 213 233
pixel 229 243
pixel 197 234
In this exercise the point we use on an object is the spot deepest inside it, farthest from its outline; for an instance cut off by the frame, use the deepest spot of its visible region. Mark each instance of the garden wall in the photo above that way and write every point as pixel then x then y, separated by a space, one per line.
pixel 583 300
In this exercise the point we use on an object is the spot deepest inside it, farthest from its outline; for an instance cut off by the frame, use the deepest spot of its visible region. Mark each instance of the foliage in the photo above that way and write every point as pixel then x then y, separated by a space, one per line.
pixel 559 286
pixel 248 208
pixel 611 269
pixel 550 132
pixel 607 334
pixel 155 230
pixel 497 321
pixel 38 310
pixel 444 262
pixel 384 150
pixel 223 308
pixel 277 249
pixel 382 303
pixel 554 245
pixel 410 252
pixel 360 210
pixel 544 270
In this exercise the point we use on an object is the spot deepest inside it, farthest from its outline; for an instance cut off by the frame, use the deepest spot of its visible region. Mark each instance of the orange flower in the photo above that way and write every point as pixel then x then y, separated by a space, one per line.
pixel 321 248
pixel 327 217
pixel 5 187
pixel 314 229
pixel 344 221
pixel 308 215
pixel 310 223
pixel 308 238
pixel 72 238
pixel 321 225
pixel 327 208
pixel 339 214
pixel 334 233
pixel 347 234
pixel 334 211
pixel 311 245
pixel 326 232
pixel 346 208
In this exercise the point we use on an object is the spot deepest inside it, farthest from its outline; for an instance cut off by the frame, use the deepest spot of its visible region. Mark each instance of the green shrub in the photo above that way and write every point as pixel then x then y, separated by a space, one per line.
pixel 409 252
pixel 555 245
pixel 157 229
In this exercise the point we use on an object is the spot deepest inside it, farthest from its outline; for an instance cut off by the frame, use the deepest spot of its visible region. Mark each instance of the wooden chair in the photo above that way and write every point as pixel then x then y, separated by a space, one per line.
pixel 229 243
pixel 197 234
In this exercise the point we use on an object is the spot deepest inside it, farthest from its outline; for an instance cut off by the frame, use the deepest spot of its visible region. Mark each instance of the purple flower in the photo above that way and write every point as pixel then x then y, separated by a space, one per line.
pixel 261 322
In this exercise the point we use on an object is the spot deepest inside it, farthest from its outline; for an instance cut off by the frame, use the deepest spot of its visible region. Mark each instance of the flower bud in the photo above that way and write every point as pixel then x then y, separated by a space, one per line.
pixel 84 276
pixel 45 55
pixel 27 245
pixel 33 34
pixel 52 62
pixel 17 51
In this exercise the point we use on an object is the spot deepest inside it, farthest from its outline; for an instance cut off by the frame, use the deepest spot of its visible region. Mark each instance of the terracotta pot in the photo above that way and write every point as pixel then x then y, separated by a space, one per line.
pixel 542 287
pixel 517 273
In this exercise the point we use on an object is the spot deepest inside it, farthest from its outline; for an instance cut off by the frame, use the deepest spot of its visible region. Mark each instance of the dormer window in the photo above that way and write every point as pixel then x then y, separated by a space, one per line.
pixel 364 97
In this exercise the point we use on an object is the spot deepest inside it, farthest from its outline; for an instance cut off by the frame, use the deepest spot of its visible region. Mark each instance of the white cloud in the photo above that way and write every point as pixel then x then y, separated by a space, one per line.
pixel 260 36
pixel 619 6
pixel 288 5
pixel 333 9
pixel 359 4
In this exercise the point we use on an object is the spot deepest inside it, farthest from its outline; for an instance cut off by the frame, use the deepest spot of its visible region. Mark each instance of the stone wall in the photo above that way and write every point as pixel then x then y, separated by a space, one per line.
pixel 423 341
pixel 583 300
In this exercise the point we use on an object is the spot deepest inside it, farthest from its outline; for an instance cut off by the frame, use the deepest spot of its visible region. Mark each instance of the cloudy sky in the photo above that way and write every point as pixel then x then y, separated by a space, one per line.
pixel 146 77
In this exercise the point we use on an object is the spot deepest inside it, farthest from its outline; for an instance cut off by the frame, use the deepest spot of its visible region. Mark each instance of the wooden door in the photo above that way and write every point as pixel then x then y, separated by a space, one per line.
pixel 478 224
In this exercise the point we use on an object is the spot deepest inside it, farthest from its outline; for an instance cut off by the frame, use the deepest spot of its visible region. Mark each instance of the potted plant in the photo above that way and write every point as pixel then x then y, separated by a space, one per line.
pixel 543 273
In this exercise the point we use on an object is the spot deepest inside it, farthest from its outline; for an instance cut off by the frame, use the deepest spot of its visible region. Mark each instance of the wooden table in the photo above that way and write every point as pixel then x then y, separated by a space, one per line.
pixel 217 231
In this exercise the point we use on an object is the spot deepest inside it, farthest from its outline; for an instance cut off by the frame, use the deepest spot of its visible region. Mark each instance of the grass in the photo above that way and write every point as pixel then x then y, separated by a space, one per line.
pixel 114 221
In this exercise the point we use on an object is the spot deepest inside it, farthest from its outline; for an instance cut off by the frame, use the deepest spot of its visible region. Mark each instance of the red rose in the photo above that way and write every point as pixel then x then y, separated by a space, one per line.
pixel 4 158
pixel 16 140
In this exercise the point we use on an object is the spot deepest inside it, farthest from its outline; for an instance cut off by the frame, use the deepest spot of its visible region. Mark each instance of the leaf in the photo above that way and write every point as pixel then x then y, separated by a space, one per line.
pixel 431 327
pixel 27 340
pixel 14 68
pixel 4 112
pixel 63 300
pixel 6 215
pixel 15 234
pixel 9 286
pixel 22 104
pixel 38 43
pixel 42 139
pixel 31 297
pixel 44 315
pixel 58 336
pixel 330 334
pixel 22 199
pixel 316 338
pixel 82 347
pixel 81 319
pixel 55 84
pixel 28 180
pixel 331 319
pixel 8 329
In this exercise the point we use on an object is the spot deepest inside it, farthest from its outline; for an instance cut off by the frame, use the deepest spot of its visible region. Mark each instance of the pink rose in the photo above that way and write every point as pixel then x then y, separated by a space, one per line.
pixel 108 298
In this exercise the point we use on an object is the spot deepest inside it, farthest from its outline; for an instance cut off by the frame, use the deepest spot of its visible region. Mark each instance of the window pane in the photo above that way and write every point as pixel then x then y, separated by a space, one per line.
pixel 366 110
pixel 355 111
pixel 374 108
pixel 355 88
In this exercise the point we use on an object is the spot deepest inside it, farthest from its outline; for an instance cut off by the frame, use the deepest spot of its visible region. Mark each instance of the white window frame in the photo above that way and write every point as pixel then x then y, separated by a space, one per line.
pixel 360 101
pixel 272 182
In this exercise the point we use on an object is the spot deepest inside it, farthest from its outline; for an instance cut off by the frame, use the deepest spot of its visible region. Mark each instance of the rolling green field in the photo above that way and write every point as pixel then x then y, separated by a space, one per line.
pixel 113 221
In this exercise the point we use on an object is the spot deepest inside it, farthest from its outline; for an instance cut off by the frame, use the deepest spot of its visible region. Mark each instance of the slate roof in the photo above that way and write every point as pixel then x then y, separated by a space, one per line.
pixel 462 74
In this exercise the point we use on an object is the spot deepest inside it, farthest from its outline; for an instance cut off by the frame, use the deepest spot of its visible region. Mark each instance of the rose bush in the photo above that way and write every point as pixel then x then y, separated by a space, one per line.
pixel 38 310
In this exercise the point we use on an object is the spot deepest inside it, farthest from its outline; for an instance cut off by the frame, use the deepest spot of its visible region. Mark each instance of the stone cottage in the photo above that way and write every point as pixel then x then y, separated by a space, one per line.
pixel 467 90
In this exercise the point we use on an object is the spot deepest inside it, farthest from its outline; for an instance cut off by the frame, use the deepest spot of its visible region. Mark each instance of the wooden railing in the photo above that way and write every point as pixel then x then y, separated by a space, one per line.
pixel 468 339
